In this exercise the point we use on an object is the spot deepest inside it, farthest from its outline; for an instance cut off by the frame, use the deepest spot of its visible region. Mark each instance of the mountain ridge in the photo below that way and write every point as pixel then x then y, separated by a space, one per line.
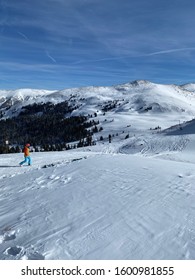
pixel 133 83
pixel 121 111
pixel 138 94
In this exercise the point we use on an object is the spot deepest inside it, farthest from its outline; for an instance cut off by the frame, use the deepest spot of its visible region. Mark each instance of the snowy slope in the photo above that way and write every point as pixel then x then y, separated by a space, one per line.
pixel 98 204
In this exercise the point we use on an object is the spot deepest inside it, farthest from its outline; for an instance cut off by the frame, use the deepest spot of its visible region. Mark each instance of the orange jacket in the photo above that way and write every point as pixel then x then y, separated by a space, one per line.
pixel 26 152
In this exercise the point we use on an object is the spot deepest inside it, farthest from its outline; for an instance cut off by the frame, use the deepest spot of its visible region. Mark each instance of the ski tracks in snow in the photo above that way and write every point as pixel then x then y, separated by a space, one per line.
pixel 149 145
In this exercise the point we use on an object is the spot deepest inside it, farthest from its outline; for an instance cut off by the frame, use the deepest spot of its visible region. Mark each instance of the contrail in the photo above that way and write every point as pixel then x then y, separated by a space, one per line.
pixel 134 56
pixel 23 35
pixel 170 51
pixel 48 55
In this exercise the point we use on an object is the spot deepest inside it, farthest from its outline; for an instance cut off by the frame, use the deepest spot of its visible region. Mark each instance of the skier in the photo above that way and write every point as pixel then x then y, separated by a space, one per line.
pixel 27 157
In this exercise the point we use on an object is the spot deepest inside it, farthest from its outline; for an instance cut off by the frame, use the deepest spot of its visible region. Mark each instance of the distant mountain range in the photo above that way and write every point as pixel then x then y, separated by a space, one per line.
pixel 75 115
pixel 138 96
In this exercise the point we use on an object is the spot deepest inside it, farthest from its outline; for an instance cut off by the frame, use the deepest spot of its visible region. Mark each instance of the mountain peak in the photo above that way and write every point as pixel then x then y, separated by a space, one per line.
pixel 189 87
pixel 137 83
pixel 140 82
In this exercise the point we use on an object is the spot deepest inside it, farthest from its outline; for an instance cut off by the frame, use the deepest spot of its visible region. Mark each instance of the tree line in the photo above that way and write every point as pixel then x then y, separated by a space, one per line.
pixel 46 125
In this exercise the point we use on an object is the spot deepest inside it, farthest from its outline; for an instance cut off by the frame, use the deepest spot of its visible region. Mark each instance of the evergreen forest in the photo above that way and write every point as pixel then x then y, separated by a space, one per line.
pixel 49 126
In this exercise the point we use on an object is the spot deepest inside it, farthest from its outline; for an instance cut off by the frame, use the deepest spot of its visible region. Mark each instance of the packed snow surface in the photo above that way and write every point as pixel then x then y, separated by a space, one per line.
pixel 101 202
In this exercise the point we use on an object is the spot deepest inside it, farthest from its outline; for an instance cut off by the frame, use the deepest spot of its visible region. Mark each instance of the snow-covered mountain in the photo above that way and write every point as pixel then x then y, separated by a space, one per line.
pixel 120 109
pixel 138 96
pixel 132 198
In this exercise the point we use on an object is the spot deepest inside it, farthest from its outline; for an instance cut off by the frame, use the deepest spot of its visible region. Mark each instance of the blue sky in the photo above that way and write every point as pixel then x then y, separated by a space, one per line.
pixel 56 44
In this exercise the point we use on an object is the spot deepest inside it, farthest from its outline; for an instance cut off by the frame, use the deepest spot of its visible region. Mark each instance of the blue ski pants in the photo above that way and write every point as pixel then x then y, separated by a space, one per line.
pixel 26 159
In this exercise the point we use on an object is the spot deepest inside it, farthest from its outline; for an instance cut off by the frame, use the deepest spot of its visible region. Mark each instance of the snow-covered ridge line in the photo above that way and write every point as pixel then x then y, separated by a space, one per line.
pixel 24 92
pixel 133 84
pixel 129 98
